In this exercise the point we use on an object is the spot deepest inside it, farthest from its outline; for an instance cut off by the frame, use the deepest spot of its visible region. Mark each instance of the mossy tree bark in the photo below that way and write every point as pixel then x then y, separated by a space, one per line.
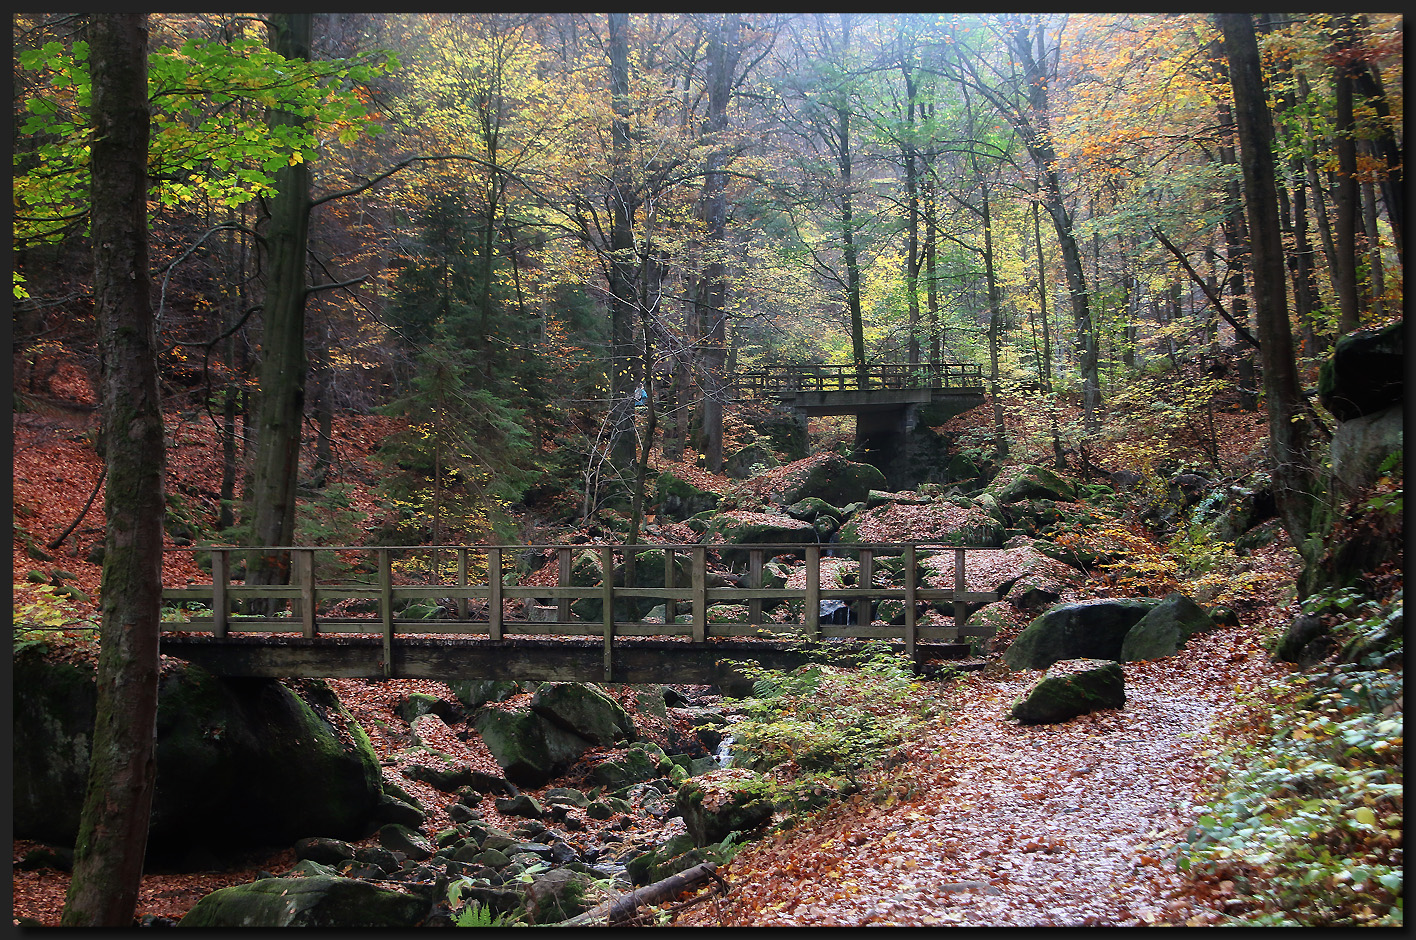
pixel 281 405
pixel 112 839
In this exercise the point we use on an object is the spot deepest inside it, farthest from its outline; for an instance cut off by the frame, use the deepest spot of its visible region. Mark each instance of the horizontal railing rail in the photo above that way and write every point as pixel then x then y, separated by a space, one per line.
pixel 827 377
pixel 778 591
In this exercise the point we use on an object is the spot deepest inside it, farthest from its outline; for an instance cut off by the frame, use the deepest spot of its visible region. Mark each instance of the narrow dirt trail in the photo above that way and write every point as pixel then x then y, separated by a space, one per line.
pixel 1001 824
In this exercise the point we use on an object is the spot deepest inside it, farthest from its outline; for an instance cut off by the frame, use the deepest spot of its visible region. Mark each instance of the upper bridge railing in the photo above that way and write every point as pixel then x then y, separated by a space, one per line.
pixel 826 377
pixel 778 591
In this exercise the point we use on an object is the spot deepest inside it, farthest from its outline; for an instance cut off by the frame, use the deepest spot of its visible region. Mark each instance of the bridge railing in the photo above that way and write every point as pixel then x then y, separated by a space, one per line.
pixel 774 591
pixel 845 378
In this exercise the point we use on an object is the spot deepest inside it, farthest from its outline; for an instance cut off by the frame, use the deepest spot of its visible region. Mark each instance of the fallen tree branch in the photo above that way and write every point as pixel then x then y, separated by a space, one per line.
pixel 59 540
pixel 623 907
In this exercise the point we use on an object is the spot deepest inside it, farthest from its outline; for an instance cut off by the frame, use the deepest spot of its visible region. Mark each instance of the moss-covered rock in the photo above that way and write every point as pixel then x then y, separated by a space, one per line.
pixel 312 901
pixel 1033 482
pixel 1071 688
pixel 244 761
pixel 676 855
pixel 724 801
pixel 677 499
pixel 1366 372
pixel 474 693
pixel 834 479
pixel 583 710
pixel 639 763
pixel 1165 628
pixel 529 748
pixel 1093 629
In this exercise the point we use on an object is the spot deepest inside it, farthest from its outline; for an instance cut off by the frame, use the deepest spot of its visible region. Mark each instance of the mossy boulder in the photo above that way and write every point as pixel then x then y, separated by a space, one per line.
pixel 583 710
pixel 246 762
pixel 1093 629
pixel 1071 688
pixel 1165 628
pixel 722 802
pixel 529 748
pixel 678 854
pixel 474 693
pixel 311 901
pixel 1366 372
pixel 832 478
pixel 1033 482
pixel 642 762
pixel 677 499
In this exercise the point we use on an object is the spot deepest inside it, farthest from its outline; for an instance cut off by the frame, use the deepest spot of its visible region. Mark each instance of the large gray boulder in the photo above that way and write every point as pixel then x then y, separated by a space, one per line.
pixel 834 479
pixel 311 901
pixel 583 710
pixel 677 499
pixel 1093 629
pixel 529 748
pixel 1165 628
pixel 1070 688
pixel 240 762
pixel 1033 482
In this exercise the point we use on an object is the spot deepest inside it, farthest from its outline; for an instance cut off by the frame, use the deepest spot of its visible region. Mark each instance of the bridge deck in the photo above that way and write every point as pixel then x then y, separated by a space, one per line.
pixel 385 611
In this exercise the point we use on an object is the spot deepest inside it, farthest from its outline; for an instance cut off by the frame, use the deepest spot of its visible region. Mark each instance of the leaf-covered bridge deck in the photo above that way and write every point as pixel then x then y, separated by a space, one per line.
pixel 433 611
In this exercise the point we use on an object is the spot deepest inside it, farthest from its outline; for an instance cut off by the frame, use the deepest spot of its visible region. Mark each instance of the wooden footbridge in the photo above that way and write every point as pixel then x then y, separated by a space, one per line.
pixel 663 616
pixel 886 398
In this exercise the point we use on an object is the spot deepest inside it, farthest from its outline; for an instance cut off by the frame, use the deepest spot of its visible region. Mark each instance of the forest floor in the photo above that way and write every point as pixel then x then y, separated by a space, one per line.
pixel 980 822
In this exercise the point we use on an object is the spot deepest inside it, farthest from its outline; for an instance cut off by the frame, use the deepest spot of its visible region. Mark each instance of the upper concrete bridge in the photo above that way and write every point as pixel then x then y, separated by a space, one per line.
pixel 886 399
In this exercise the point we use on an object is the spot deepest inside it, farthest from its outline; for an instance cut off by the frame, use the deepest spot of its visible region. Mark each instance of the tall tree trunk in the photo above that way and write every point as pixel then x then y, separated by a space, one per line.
pixel 113 825
pixel 1236 249
pixel 281 405
pixel 1374 251
pixel 1290 428
pixel 622 261
pixel 912 198
pixel 995 333
pixel 1346 201
pixel 724 50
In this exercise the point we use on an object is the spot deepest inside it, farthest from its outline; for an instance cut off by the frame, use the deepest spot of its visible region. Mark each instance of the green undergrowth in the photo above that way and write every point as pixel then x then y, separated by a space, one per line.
pixel 829 725
pixel 1308 823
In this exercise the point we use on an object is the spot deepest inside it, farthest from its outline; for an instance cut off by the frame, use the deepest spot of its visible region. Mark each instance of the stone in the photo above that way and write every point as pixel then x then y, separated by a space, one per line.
pixel 378 857
pixel 723 802
pixel 323 850
pixel 1366 372
pixel 529 749
pixel 1165 628
pixel 559 895
pixel 474 693
pixel 410 842
pixel 522 804
pixel 641 762
pixel 416 704
pixel 1093 629
pixel 677 854
pixel 583 710
pixel 311 901
pixel 832 478
pixel 1071 688
pixel 244 761
pixel 677 499
pixel 1361 444
pixel 568 796
pixel 1034 482
pixel 441 774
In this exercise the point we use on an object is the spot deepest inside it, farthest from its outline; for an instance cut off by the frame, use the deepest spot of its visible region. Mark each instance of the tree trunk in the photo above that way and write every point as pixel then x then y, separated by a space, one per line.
pixel 281 406
pixel 622 262
pixel 1345 202
pixel 1290 449
pixel 724 50
pixel 912 198
pixel 995 331
pixel 113 826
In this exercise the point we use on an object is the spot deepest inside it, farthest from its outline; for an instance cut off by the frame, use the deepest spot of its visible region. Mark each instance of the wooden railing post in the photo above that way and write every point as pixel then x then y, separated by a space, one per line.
pixel 462 581
pixel 386 609
pixel 700 594
pixel 562 580
pixel 754 581
pixel 220 579
pixel 867 581
pixel 607 593
pixel 960 584
pixel 494 593
pixel 305 574
pixel 911 584
pixel 812 627
pixel 670 606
